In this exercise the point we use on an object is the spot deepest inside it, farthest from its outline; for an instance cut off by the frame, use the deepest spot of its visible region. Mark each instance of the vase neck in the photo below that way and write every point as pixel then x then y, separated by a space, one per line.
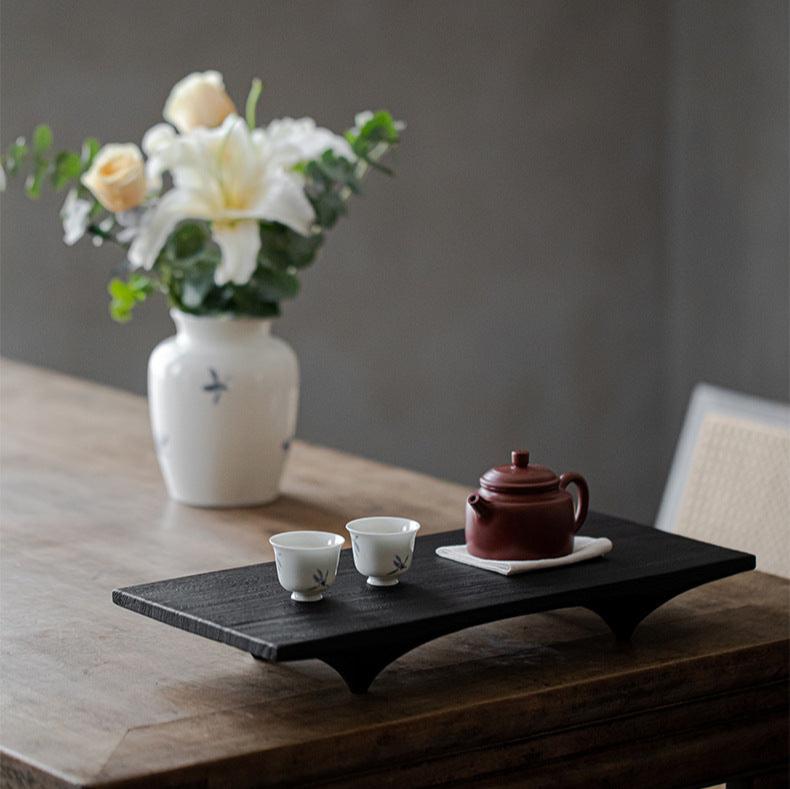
pixel 218 329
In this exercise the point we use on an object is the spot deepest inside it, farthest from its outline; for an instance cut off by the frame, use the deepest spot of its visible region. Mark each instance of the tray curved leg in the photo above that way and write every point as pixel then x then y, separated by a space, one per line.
pixel 623 615
pixel 359 669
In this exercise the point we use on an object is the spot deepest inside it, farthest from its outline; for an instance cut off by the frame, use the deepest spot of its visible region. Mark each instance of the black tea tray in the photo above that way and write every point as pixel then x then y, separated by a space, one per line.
pixel 359 630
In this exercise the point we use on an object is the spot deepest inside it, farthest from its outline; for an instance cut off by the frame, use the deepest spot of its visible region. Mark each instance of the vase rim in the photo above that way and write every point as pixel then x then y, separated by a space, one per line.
pixel 228 317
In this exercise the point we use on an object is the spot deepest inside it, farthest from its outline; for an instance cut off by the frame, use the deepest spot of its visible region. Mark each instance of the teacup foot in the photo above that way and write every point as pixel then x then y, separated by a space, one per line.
pixel 375 580
pixel 305 597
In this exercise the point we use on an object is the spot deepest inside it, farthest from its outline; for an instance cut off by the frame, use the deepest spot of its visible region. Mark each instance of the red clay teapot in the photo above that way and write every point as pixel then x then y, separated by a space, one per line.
pixel 522 511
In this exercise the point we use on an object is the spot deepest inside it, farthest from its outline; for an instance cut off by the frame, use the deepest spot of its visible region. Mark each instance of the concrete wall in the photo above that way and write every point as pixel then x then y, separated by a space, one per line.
pixel 547 268
pixel 727 198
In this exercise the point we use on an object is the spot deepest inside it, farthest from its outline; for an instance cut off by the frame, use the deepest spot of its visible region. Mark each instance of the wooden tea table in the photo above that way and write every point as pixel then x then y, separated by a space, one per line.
pixel 93 695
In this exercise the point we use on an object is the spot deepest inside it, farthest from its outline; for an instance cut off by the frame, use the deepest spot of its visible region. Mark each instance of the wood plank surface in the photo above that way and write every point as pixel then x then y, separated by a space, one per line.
pixel 92 695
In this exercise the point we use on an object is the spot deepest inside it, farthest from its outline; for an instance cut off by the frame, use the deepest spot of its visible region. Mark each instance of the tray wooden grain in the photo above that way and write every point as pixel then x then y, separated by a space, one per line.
pixel 359 630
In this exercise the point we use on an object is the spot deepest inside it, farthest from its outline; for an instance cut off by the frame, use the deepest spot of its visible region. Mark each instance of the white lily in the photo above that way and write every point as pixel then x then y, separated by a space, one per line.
pixel 233 178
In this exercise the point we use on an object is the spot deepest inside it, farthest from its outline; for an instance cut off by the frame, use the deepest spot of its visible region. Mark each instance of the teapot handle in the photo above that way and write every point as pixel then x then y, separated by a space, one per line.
pixel 584 496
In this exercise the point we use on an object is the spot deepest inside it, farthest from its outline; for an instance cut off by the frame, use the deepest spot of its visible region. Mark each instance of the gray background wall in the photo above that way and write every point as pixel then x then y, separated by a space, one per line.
pixel 590 214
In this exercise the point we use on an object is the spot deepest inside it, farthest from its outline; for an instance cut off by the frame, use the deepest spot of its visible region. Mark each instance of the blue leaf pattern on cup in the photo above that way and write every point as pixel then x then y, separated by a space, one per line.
pixel 321 578
pixel 400 564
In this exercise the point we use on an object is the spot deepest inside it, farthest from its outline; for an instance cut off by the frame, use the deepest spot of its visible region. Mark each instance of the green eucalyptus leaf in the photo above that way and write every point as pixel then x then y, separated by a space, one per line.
pixel 189 239
pixel 284 248
pixel 90 147
pixel 68 166
pixel 197 283
pixel 273 284
pixel 247 301
pixel 329 206
pixel 327 182
pixel 264 309
pixel 375 136
pixel 42 138
pixel 125 295
pixel 140 286
pixel 120 313
pixel 194 293
pixel 338 169
pixel 120 290
pixel 15 158
pixel 35 180
pixel 380 128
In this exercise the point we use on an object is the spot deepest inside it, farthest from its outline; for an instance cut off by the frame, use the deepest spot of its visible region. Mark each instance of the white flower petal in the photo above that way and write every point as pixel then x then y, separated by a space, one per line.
pixel 126 235
pixel 293 141
pixel 75 215
pixel 130 218
pixel 285 202
pixel 239 243
pixel 153 177
pixel 156 141
pixel 157 138
pixel 197 161
pixel 159 222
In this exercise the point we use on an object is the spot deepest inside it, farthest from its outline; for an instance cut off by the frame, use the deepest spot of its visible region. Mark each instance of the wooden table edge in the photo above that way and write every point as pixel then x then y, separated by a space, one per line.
pixel 34 774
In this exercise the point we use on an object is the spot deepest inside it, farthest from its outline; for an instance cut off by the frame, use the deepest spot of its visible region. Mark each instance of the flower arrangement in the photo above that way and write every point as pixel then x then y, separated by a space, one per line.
pixel 219 215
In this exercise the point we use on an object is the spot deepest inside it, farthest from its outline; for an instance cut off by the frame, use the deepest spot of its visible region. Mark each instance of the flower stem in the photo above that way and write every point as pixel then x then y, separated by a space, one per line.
pixel 105 235
pixel 252 102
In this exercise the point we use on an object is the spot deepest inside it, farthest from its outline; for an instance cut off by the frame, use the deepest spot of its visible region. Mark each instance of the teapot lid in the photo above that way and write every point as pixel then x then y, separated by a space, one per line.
pixel 520 476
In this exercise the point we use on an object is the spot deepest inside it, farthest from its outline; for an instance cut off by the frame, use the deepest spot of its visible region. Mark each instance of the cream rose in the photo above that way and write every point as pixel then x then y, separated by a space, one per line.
pixel 117 177
pixel 199 100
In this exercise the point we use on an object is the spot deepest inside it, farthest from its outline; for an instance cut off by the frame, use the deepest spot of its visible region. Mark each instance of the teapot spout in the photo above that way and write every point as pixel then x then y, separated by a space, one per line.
pixel 479 505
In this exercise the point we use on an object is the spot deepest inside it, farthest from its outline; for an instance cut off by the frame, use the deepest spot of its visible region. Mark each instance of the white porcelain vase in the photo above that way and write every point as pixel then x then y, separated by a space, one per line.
pixel 223 396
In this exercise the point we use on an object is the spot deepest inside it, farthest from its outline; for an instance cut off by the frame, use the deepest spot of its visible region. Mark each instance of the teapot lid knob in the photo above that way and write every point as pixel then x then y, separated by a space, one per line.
pixel 520 476
pixel 520 458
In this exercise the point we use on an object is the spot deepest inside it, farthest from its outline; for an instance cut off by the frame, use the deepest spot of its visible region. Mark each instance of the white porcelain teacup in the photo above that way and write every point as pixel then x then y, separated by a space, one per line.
pixel 383 547
pixel 306 562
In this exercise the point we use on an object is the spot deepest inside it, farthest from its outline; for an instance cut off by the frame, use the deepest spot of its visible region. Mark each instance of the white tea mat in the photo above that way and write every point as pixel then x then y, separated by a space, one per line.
pixel 584 548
